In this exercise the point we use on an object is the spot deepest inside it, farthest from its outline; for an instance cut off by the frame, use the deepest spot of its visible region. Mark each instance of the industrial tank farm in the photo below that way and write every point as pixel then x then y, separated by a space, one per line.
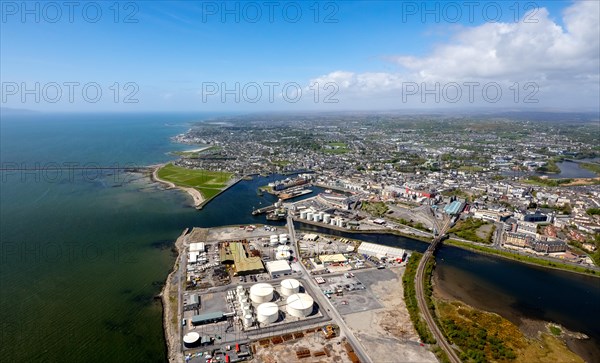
pixel 300 305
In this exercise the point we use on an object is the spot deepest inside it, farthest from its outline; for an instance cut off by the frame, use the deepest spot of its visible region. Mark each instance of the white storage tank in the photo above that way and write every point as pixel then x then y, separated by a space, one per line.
pixel 261 293
pixel 303 214
pixel 326 218
pixel 290 287
pixel 191 339
pixel 283 255
pixel 333 222
pixel 309 215
pixel 300 305
pixel 316 218
pixel 267 313
pixel 248 320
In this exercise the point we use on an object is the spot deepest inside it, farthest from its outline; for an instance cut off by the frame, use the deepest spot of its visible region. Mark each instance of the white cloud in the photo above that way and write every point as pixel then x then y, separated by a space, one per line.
pixel 563 61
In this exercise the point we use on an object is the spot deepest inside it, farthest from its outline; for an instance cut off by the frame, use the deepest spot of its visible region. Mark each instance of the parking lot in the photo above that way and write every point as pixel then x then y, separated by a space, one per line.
pixel 350 294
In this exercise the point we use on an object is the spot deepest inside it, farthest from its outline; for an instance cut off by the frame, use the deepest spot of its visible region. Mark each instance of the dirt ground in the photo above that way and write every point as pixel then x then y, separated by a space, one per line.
pixel 387 333
pixel 314 342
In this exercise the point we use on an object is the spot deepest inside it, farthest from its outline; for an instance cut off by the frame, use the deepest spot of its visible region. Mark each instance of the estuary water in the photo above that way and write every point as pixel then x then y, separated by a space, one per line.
pixel 83 254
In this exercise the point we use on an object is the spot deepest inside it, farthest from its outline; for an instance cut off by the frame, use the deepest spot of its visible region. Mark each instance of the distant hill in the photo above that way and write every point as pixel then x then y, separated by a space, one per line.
pixel 13 111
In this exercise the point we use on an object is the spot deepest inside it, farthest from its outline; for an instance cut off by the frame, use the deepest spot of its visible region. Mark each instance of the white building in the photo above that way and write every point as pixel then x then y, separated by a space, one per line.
pixel 197 247
pixel 278 268
pixel 379 251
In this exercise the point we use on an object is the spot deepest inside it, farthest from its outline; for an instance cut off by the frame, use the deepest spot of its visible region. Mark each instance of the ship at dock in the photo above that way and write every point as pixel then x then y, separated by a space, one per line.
pixel 294 193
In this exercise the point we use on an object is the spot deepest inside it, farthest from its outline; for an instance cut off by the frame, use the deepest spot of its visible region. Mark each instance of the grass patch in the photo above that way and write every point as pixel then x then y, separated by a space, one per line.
pixel 545 182
pixel 335 148
pixel 487 337
pixel 470 168
pixel 410 297
pixel 591 167
pixel 467 229
pixel 209 183
pixel 378 209
pixel 281 163
pixel 555 330
pixel 550 167
pixel 518 257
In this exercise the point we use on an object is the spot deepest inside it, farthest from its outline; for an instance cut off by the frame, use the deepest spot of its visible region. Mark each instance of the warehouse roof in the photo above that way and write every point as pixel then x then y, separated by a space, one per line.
pixel 242 262
pixel 333 258
pixel 208 317
pixel 373 249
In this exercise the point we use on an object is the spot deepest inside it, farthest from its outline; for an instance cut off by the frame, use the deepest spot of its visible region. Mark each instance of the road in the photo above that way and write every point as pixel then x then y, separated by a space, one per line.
pixel 420 292
pixel 324 302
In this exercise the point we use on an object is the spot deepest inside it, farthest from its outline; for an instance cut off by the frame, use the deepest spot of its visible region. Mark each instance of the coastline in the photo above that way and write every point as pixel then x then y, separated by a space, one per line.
pixel 198 198
pixel 171 286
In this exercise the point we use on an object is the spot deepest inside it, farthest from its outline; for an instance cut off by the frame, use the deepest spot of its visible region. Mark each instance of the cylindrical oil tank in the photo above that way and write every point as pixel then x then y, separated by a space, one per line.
pixel 299 305
pixel 191 339
pixel 248 320
pixel 267 313
pixel 290 287
pixel 283 255
pixel 309 215
pixel 333 222
pixel 316 218
pixel 326 218
pixel 303 214
pixel 261 293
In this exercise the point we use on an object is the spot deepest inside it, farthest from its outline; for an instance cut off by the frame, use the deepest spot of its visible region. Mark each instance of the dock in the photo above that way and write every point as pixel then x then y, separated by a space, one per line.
pixel 264 210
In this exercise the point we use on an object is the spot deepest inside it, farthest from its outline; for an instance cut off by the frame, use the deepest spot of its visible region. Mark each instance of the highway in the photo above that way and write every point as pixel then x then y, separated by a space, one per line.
pixel 323 302
pixel 420 292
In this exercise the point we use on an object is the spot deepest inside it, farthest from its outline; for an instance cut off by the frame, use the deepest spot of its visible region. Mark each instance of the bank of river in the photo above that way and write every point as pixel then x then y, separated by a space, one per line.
pixel 524 294
pixel 569 170
pixel 519 292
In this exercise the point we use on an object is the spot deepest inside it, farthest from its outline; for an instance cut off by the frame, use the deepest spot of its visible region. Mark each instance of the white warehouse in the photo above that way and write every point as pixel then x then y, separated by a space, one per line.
pixel 278 268
pixel 379 251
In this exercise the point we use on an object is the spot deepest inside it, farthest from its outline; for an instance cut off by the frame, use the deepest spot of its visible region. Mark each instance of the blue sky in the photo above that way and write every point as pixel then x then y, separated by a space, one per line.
pixel 369 51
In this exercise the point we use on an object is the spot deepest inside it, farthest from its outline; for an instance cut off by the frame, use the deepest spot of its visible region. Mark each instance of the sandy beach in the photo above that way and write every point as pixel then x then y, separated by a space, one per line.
pixel 195 194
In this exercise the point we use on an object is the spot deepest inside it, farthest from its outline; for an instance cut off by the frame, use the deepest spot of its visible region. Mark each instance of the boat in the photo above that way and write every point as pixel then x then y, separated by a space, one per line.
pixel 294 194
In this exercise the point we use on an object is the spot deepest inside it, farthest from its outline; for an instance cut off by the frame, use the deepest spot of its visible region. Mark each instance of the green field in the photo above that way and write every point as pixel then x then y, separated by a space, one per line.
pixel 209 183
pixel 336 148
